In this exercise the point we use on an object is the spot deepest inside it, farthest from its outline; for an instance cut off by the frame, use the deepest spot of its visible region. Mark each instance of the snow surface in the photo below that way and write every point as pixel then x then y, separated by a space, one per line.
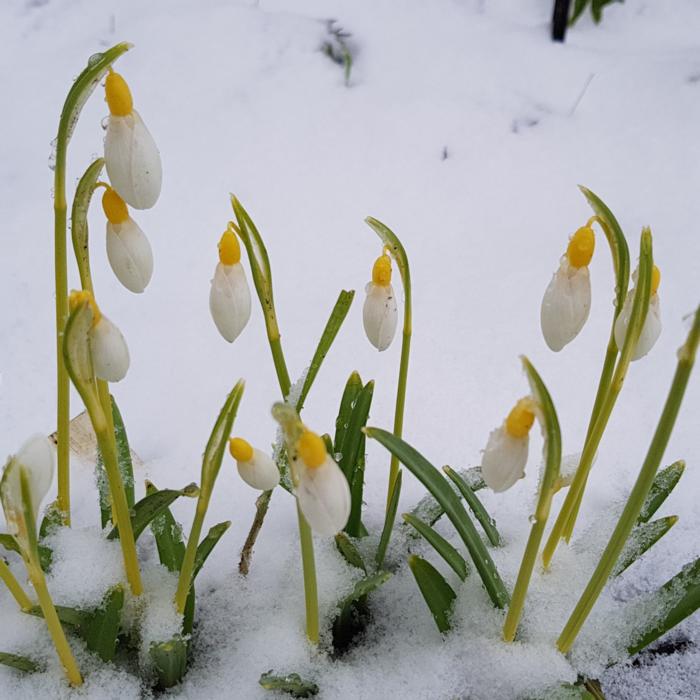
pixel 464 129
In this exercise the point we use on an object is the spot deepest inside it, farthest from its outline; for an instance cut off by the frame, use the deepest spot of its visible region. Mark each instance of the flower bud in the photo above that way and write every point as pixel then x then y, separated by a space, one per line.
pixel 110 355
pixel 380 315
pixel 651 330
pixel 255 467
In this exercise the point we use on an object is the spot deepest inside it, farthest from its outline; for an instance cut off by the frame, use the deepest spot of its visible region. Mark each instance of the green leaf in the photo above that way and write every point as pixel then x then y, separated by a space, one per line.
pixel 101 628
pixel 437 592
pixel 353 613
pixel 76 353
pixel 168 536
pixel 350 552
pixel 21 663
pixel 206 546
pixel 664 482
pixel 451 556
pixel 579 8
pixel 11 545
pixel 52 520
pixel 151 506
pixel 340 311
pixel 642 538
pixel 79 224
pixel 678 598
pixel 443 493
pixel 352 389
pixel 170 661
pixel 68 616
pixel 292 683
pixel 476 506
pixel 389 519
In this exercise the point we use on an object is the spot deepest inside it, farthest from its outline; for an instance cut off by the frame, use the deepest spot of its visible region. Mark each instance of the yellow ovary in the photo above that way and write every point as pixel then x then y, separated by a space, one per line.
pixel 581 247
pixel 77 298
pixel 381 271
pixel 229 248
pixel 655 279
pixel 520 419
pixel 118 95
pixel 241 450
pixel 312 449
pixel 114 207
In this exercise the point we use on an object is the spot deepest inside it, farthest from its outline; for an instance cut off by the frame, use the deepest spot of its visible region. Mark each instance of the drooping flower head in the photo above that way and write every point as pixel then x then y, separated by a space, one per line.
pixel 255 467
pixel 131 156
pixel 229 297
pixel 110 355
pixel 322 490
pixel 128 250
pixel 567 300
pixel 651 330
pixel 380 312
pixel 504 458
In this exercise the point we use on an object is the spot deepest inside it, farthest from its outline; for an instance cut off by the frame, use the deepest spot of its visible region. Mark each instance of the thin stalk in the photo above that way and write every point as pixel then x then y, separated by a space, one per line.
pixel 309 569
pixel 8 578
pixel 185 580
pixel 400 398
pixel 686 359
pixel 280 365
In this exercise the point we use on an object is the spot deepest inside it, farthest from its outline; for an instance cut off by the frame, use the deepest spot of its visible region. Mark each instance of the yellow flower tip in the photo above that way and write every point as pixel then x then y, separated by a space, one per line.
pixel 581 247
pixel 118 95
pixel 655 279
pixel 381 271
pixel 229 248
pixel 241 450
pixel 520 419
pixel 312 449
pixel 82 296
pixel 114 206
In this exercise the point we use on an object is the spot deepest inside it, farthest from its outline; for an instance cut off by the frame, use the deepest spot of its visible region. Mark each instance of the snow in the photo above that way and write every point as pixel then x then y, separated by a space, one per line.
pixel 466 131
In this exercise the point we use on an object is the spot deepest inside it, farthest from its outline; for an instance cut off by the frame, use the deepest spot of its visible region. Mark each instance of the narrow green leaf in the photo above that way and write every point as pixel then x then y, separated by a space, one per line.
pixel 335 321
pixel 328 442
pixel 21 663
pixel 68 616
pixel 451 556
pixel 168 536
pixel 431 478
pixel 170 661
pixel 678 598
pixel 292 683
pixel 476 506
pixel 151 506
pixel 9 543
pixel 438 594
pixel 206 546
pixel 52 520
pixel 641 539
pixel 664 482
pixel 579 8
pixel 389 519
pixel 352 389
pixel 79 224
pixel 350 552
pixel 100 629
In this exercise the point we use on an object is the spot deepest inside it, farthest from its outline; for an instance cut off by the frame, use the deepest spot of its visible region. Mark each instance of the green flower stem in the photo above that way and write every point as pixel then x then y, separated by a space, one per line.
pixel 280 365
pixel 639 310
pixel 686 359
pixel 309 569
pixel 184 582
pixel 8 578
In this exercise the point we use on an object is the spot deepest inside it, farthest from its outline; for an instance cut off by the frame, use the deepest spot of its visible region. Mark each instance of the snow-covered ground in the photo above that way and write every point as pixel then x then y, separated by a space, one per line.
pixel 466 130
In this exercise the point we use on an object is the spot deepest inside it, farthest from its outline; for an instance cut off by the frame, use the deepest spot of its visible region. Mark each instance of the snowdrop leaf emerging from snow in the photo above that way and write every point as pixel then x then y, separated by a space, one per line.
pixel 21 663
pixel 641 539
pixel 664 482
pixel 451 556
pixel 206 546
pixel 350 552
pixel 292 683
pixel 438 594
pixel 389 519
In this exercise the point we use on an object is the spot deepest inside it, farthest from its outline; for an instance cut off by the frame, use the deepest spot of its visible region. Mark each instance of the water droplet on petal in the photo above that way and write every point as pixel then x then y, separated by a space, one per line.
pixel 94 58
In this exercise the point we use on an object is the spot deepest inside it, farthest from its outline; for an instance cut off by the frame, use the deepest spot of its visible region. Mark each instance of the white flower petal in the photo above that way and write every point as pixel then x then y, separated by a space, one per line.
pixel 260 472
pixel 565 305
pixel 229 300
pixel 110 355
pixel 130 255
pixel 380 315
pixel 651 330
pixel 504 459
pixel 132 161
pixel 36 457
pixel 324 497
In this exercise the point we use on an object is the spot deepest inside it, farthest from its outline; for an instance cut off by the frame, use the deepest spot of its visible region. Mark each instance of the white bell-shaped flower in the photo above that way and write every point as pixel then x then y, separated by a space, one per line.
pixel 255 467
pixel 229 297
pixel 131 156
pixel 505 456
pixel 128 250
pixel 380 312
pixel 651 330
pixel 110 355
pixel 567 300
pixel 322 490
pixel 36 459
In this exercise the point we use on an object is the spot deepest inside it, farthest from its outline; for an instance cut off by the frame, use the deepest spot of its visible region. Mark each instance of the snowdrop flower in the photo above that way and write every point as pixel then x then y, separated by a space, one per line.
pixel 131 155
pixel 322 489
pixel 255 467
pixel 380 313
pixel 567 299
pixel 110 355
pixel 505 455
pixel 36 460
pixel 128 250
pixel 229 298
pixel 651 330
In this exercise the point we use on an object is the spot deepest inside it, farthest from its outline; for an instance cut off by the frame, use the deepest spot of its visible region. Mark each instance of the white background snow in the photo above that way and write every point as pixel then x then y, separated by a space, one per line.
pixel 240 99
